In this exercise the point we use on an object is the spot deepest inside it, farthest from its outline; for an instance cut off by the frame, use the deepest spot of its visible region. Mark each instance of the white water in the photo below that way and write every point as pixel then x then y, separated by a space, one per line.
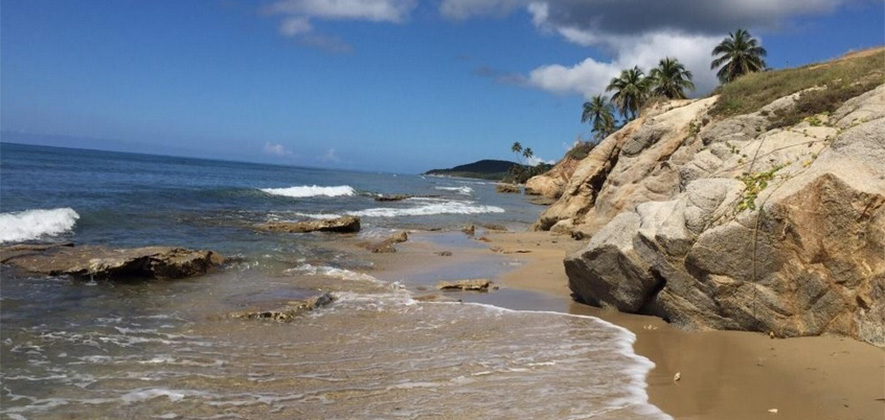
pixel 311 191
pixel 465 190
pixel 448 207
pixel 33 224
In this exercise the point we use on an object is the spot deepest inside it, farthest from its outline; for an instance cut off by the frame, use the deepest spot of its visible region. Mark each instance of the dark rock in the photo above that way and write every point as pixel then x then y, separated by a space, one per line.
pixel 492 226
pixel 470 230
pixel 114 264
pixel 444 253
pixel 288 312
pixel 345 224
pixel 393 197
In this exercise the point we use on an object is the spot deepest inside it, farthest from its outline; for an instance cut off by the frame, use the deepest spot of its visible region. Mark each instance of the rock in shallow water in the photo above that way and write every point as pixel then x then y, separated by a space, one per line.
pixel 155 262
pixel 476 285
pixel 288 312
pixel 345 224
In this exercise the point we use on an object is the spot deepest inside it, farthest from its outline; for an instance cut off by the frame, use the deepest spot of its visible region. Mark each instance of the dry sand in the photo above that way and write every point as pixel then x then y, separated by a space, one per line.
pixel 724 374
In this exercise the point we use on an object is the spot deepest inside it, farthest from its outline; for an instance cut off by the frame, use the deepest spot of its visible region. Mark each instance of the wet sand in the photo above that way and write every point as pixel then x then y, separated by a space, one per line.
pixel 724 374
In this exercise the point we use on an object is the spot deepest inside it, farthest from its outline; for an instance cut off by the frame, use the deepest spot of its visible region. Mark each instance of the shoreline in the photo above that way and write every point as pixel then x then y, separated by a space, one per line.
pixel 724 374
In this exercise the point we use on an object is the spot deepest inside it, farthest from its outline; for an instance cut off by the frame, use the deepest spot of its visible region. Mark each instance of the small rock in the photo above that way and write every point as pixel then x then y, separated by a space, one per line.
pixel 478 285
pixel 677 377
pixel 772 410
pixel 470 230
pixel 288 312
pixel 444 253
pixel 492 226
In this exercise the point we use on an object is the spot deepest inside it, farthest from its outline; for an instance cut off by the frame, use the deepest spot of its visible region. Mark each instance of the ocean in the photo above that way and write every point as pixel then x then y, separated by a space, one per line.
pixel 80 348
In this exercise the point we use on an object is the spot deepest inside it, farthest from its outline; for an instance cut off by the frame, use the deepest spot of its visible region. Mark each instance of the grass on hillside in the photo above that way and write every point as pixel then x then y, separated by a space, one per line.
pixel 837 80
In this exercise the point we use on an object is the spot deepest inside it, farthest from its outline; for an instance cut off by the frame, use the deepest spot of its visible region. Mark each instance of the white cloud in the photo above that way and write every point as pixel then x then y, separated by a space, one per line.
pixel 298 17
pixel 295 25
pixel 276 149
pixel 638 32
pixel 590 76
pixel 371 10
pixel 330 157
pixel 535 160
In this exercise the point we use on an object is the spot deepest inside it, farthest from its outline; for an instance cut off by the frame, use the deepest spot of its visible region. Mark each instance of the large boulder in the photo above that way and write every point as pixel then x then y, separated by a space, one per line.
pixel 551 183
pixel 345 224
pixel 98 262
pixel 795 245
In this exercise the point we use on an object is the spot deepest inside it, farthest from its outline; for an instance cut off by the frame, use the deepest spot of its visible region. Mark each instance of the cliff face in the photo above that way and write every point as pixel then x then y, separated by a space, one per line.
pixel 726 224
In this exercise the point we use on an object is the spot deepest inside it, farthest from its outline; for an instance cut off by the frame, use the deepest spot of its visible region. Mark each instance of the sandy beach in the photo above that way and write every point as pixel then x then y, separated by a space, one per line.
pixel 723 374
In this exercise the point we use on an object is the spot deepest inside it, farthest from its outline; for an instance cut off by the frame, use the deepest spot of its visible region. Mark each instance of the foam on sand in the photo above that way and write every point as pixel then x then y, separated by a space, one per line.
pixel 311 191
pixel 33 224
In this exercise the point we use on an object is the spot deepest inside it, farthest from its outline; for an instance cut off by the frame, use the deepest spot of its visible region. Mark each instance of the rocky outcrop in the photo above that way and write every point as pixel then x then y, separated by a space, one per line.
pixel 727 225
pixel 345 224
pixel 550 184
pixel 507 188
pixel 636 164
pixel 97 262
pixel 386 246
pixel 288 312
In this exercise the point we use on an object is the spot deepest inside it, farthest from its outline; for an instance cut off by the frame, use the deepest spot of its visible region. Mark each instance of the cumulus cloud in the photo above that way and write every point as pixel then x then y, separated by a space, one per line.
pixel 590 76
pixel 535 160
pixel 276 149
pixel 298 17
pixel 638 32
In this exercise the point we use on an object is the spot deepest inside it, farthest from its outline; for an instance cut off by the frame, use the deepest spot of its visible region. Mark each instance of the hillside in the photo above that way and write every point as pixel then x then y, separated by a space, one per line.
pixel 483 169
pixel 760 208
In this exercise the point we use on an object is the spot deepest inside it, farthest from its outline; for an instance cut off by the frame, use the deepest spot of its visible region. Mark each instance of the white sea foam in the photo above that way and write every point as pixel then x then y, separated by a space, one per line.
pixel 338 273
pixel 32 224
pixel 320 216
pixel 311 191
pixel 463 190
pixel 448 207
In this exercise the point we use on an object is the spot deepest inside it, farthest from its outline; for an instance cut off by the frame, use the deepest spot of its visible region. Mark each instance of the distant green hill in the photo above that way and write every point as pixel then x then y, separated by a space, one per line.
pixel 484 169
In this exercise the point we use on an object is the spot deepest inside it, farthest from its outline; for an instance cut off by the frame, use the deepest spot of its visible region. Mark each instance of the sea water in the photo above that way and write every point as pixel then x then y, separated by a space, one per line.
pixel 75 348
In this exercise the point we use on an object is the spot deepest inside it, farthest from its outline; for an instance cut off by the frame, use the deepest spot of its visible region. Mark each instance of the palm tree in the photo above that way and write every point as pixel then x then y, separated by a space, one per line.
pixel 600 112
pixel 740 53
pixel 631 90
pixel 670 79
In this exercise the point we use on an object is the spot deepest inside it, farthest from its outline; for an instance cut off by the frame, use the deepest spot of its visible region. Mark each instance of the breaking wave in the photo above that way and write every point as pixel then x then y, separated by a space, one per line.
pixel 311 191
pixel 33 224
pixel 448 207
pixel 465 190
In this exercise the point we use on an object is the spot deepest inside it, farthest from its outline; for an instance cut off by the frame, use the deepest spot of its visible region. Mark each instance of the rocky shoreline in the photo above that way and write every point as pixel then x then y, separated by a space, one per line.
pixel 727 224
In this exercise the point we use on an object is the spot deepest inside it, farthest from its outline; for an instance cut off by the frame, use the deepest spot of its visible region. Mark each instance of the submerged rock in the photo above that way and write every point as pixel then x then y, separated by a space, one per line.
pixel 476 285
pixel 114 264
pixel 345 224
pixel 288 312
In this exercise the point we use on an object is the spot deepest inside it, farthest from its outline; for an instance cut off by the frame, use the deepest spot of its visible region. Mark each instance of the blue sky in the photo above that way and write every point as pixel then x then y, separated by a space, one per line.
pixel 380 85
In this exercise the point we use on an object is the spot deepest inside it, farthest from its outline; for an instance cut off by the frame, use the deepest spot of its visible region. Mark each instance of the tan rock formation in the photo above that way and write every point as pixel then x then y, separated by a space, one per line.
pixel 726 225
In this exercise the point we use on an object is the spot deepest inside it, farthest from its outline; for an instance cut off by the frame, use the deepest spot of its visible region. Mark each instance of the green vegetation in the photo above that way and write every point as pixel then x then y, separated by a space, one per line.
pixel 739 54
pixel 818 101
pixel 753 185
pixel 520 173
pixel 600 113
pixel 841 79
pixel 494 170
pixel 670 79
pixel 581 150
pixel 631 91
